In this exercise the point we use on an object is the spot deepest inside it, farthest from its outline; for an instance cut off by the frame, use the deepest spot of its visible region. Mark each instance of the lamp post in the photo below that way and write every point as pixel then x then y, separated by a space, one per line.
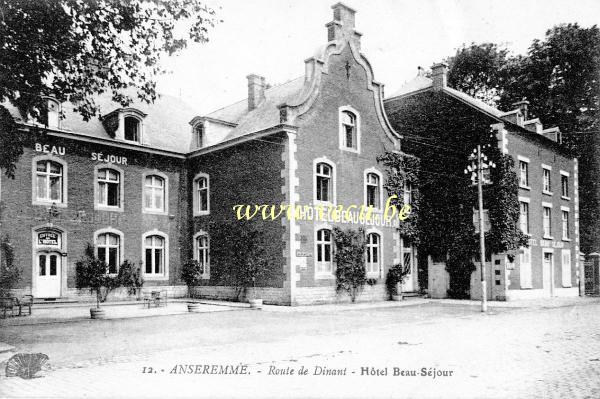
pixel 476 169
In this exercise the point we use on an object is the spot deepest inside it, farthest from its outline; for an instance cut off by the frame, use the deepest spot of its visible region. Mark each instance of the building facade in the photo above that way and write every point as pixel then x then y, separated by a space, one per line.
pixel 547 191
pixel 145 183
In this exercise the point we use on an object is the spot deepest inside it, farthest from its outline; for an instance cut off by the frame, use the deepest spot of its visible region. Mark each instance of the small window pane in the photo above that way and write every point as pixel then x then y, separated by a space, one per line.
pixel 42 166
pixel 52 265
pixel 42 264
pixel 148 260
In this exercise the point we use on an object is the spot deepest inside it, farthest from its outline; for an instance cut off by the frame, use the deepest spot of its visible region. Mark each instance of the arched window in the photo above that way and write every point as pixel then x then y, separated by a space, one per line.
pixel 109 188
pixel 373 253
pixel 154 193
pixel 324 264
pixel 132 128
pixel 49 181
pixel 324 183
pixel 108 249
pixel 202 252
pixel 349 129
pixel 154 255
pixel 201 194
pixel 373 190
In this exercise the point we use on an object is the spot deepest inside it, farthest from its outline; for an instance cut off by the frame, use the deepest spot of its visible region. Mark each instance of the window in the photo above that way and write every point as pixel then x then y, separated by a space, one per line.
pixel 565 224
pixel 523 174
pixel 566 268
pixel 108 247
pixel 132 128
pixel 373 253
pixel 525 267
pixel 53 120
pixel 524 217
pixel 199 134
pixel 547 222
pixel 154 193
pixel 408 192
pixel 202 195
pixel 349 129
pixel 547 188
pixel 324 175
pixel 154 255
pixel 564 184
pixel 324 264
pixel 373 191
pixel 109 188
pixel 48 181
pixel 202 254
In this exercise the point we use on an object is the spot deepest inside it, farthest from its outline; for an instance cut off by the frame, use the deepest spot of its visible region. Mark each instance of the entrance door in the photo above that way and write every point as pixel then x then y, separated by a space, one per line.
pixel 408 260
pixel 547 273
pixel 48 275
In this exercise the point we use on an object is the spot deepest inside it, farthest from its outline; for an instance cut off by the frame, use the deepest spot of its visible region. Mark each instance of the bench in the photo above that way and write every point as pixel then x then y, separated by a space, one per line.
pixel 156 298
pixel 13 305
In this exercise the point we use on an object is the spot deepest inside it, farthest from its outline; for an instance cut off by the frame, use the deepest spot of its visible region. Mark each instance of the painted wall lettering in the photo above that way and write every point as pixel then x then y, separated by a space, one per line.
pixel 49 149
pixel 109 158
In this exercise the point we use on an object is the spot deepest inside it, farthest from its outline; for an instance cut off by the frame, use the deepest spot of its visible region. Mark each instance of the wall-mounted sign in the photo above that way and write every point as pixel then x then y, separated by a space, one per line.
pixel 109 158
pixel 303 254
pixel 47 238
pixel 49 149
pixel 546 243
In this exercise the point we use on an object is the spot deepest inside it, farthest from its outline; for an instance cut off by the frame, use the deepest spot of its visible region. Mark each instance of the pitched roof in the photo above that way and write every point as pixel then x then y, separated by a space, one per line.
pixel 265 115
pixel 165 126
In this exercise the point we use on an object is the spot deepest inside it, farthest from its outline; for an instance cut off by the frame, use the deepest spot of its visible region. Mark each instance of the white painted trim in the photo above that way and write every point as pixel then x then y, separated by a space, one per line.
pixel 548 167
pixel 342 133
pixel 62 250
pixel 65 181
pixel 522 158
pixel 152 276
pixel 564 173
pixel 121 243
pixel 379 273
pixel 547 204
pixel 323 275
pixel 206 274
pixel 165 178
pixel 99 207
pixel 196 200
pixel 565 208
pixel 525 199
pixel 380 187
pixel 333 180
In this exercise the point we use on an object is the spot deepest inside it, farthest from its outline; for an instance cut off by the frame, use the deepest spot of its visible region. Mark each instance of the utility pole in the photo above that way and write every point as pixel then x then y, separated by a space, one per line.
pixel 481 232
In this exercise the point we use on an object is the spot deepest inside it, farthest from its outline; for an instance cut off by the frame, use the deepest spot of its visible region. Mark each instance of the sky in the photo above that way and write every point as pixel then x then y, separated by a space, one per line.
pixel 272 38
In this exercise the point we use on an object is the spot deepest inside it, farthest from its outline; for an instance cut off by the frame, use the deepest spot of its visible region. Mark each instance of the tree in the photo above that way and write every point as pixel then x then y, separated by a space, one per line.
pixel 191 274
pixel 131 276
pixel 479 70
pixel 350 272
pixel 10 273
pixel 73 50
pixel 91 273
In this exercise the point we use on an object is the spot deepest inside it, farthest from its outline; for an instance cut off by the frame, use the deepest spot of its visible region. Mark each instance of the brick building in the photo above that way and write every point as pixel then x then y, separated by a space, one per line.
pixel 548 189
pixel 144 183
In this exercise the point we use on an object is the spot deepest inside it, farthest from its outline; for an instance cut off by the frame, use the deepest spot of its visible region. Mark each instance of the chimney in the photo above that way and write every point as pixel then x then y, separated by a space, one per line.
pixel 533 125
pixel 523 106
pixel 342 26
pixel 256 90
pixel 420 71
pixel 439 74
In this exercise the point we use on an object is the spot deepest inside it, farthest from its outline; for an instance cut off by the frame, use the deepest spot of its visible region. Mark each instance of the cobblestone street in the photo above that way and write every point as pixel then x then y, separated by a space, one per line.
pixel 545 352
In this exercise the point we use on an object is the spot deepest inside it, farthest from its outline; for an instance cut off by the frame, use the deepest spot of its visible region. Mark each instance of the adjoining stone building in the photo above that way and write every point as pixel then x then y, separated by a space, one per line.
pixel 143 183
pixel 547 192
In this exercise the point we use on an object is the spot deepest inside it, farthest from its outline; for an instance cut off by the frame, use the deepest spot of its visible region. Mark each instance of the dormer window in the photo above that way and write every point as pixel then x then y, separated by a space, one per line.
pixel 199 135
pixel 132 128
pixel 53 114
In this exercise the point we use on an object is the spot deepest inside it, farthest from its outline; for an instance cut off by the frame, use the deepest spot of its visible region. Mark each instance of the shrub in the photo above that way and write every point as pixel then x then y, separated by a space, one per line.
pixel 91 273
pixel 395 277
pixel 130 276
pixel 350 259
pixel 10 274
pixel 191 274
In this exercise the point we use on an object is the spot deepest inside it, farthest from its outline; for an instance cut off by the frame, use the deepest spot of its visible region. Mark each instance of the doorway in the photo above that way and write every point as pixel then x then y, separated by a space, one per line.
pixel 548 273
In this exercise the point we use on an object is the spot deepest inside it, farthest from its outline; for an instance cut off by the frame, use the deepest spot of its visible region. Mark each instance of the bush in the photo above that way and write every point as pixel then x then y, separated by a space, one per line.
pixel 395 277
pixel 91 273
pixel 191 274
pixel 350 259
pixel 10 274
pixel 130 276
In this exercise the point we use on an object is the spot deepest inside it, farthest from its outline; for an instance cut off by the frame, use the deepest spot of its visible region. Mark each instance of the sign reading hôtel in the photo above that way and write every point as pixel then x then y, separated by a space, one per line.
pixel 96 156
pixel 48 238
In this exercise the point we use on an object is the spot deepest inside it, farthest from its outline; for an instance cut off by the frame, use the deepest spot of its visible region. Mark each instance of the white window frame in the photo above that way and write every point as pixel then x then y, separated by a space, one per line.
pixel 199 143
pixel 373 273
pixel 53 117
pixel 567 176
pixel 526 162
pixel 546 205
pixel 154 276
pixel 342 132
pixel 121 245
pixel 408 192
pixel 206 274
pixel 565 233
pixel 323 274
pixel 196 195
pixel 64 181
pixel 525 275
pixel 101 207
pixel 379 175
pixel 156 211
pixel 565 259
pixel 526 201
pixel 332 165
pixel 546 168
pixel 139 130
